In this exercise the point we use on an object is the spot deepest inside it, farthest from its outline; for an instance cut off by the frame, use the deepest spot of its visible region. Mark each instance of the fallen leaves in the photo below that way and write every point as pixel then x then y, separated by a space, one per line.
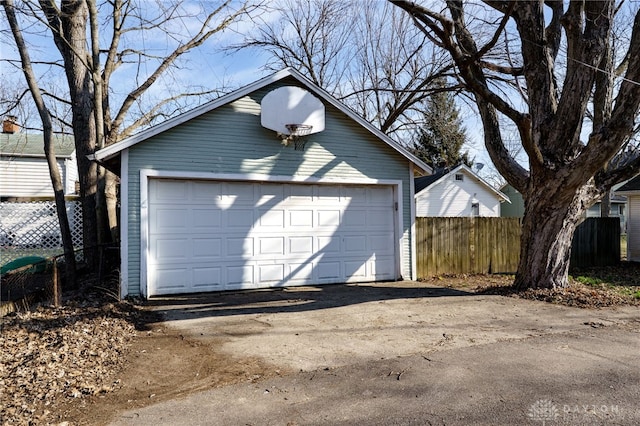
pixel 50 354
pixel 580 295
pixel 606 286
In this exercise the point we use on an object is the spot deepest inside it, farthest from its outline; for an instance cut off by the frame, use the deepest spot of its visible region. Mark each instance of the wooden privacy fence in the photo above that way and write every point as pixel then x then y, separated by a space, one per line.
pixel 596 242
pixel 481 245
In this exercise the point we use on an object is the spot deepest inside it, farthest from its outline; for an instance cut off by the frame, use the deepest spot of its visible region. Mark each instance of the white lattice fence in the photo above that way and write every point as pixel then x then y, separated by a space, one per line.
pixel 32 228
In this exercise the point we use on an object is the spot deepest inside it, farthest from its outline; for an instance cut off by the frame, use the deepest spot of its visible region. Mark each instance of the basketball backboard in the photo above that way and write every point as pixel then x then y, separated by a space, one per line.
pixel 291 105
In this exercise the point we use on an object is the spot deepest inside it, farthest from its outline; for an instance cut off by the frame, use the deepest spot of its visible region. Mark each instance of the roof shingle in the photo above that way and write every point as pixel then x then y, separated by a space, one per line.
pixel 29 144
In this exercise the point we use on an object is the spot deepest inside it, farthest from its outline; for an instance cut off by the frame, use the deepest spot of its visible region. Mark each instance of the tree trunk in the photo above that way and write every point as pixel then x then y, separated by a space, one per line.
pixel 49 148
pixel 545 246
pixel 111 196
pixel 69 28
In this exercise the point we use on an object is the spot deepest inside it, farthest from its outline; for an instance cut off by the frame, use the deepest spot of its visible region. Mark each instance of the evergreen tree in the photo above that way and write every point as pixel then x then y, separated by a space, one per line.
pixel 440 140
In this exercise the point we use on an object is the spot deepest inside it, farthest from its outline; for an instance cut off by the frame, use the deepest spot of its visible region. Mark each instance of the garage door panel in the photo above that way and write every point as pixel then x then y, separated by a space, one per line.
pixel 239 192
pixel 377 219
pixel 300 245
pixel 380 243
pixel 328 192
pixel 239 247
pixel 355 196
pixel 239 218
pixel 210 248
pixel 204 191
pixel 205 219
pixel 271 245
pixel 273 218
pixel 300 272
pixel 271 273
pixel 355 243
pixel 301 218
pixel 329 244
pixel 383 268
pixel 355 269
pixel 170 249
pixel 354 219
pixel 270 194
pixel 172 280
pixel 171 191
pixel 329 270
pixel 300 194
pixel 379 195
pixel 169 220
pixel 328 218
pixel 207 276
pixel 235 235
pixel 240 274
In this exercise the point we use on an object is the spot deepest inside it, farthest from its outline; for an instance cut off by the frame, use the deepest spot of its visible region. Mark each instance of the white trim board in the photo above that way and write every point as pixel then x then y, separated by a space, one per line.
pixel 124 225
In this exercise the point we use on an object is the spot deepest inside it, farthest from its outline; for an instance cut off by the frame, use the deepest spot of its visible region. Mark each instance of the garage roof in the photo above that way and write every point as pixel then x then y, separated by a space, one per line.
pixel 114 150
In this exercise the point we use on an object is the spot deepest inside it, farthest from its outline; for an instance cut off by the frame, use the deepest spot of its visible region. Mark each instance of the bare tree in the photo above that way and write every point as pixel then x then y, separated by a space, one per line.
pixel 369 56
pixel 558 83
pixel 49 148
pixel 94 41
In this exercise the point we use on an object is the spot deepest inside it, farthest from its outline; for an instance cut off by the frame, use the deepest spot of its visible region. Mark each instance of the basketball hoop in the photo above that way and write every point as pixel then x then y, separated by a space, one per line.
pixel 296 131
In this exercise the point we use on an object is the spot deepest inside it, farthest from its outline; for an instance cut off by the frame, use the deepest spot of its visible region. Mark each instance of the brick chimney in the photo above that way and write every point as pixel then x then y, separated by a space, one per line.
pixel 10 124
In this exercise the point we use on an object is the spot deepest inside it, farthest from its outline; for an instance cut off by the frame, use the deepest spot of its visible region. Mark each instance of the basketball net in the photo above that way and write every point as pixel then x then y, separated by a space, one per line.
pixel 297 135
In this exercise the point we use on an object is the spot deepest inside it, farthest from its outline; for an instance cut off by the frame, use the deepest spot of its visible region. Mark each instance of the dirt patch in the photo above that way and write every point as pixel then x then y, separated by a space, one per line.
pixel 84 363
pixel 163 365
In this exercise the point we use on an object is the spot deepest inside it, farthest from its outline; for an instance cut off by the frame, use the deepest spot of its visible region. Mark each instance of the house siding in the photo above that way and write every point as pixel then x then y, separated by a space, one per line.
pixel 230 140
pixel 516 207
pixel 633 228
pixel 451 198
pixel 27 177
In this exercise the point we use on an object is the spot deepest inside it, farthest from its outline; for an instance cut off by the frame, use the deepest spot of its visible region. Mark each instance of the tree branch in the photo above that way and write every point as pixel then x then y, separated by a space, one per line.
pixel 203 34
pixel 149 116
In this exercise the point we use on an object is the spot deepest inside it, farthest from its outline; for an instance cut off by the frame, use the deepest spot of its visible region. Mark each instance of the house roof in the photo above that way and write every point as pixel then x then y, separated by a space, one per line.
pixel 114 150
pixel 615 198
pixel 425 182
pixel 32 145
pixel 632 185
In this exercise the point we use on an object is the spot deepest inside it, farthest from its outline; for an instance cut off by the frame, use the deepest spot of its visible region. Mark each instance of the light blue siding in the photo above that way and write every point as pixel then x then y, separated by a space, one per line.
pixel 230 139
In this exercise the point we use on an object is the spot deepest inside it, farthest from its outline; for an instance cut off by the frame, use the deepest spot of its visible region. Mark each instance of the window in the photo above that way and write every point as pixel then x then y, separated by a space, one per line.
pixel 475 209
pixel 459 177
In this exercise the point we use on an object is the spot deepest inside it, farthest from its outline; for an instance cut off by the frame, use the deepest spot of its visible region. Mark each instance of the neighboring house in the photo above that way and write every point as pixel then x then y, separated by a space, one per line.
pixel 516 208
pixel 631 190
pixel 213 199
pixel 24 172
pixel 28 218
pixel 457 193
pixel 618 209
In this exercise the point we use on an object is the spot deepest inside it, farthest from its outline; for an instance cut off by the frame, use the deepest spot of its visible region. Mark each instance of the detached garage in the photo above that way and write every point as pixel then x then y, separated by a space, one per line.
pixel 230 197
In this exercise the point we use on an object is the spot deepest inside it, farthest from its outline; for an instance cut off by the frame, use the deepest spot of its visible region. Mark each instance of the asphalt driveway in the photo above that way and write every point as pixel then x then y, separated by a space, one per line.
pixel 403 353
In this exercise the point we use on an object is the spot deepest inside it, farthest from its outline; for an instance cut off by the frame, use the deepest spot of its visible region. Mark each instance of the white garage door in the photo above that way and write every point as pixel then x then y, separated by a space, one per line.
pixel 210 236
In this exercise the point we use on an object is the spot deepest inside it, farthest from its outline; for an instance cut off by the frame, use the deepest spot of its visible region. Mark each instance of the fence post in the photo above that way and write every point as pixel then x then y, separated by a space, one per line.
pixel 56 284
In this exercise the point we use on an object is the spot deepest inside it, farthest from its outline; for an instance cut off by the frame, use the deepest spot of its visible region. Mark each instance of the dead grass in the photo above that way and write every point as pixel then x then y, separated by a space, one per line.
pixel 589 288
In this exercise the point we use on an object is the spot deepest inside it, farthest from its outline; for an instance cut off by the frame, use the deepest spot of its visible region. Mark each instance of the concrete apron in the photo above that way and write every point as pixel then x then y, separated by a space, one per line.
pixel 311 328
